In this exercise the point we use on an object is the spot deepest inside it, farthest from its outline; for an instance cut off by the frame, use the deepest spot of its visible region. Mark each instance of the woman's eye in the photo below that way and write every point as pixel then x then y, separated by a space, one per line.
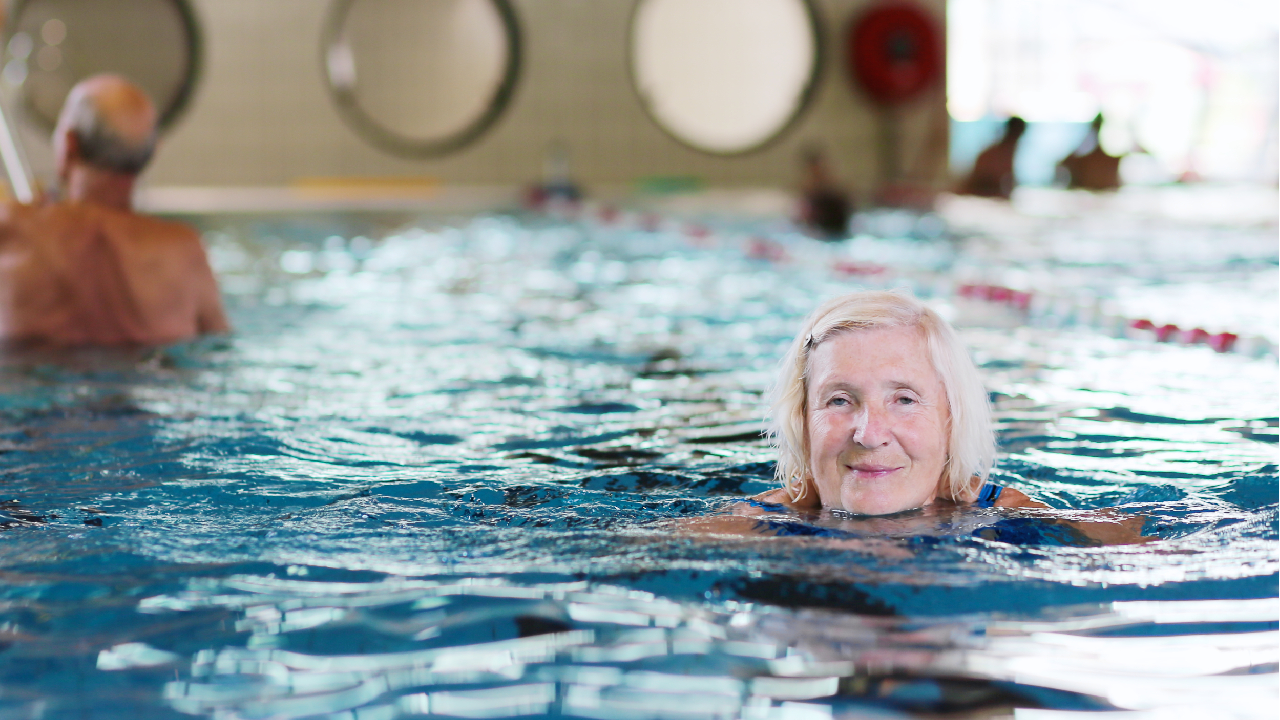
pixel 839 402
pixel 904 400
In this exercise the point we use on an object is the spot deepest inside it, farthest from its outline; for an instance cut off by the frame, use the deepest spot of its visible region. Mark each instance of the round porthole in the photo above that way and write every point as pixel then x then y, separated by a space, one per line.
pixel 421 77
pixel 724 76
pixel 50 45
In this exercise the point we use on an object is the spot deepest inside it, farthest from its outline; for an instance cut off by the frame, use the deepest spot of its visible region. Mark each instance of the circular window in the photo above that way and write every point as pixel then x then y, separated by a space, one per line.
pixel 421 77
pixel 50 45
pixel 724 76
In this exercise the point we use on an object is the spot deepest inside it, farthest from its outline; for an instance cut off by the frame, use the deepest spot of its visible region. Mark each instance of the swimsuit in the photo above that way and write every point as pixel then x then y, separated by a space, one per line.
pixel 1017 531
pixel 988 494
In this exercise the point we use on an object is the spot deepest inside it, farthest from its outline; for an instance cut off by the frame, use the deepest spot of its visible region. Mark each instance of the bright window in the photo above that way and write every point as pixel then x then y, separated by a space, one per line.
pixel 724 76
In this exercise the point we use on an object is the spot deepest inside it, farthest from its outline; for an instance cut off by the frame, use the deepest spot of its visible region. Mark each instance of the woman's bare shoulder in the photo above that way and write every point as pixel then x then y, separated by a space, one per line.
pixel 779 496
pixel 1105 527
pixel 776 495
pixel 739 518
pixel 1017 499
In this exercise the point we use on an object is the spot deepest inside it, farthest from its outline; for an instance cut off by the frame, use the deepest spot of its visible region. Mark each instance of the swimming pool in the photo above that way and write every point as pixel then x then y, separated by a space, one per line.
pixel 435 472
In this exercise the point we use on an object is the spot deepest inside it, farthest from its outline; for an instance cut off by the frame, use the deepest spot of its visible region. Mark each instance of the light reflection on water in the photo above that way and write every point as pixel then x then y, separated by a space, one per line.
pixel 602 651
pixel 438 471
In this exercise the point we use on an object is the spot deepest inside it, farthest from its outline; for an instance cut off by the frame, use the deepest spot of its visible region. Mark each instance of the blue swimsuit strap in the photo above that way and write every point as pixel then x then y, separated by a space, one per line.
pixel 988 494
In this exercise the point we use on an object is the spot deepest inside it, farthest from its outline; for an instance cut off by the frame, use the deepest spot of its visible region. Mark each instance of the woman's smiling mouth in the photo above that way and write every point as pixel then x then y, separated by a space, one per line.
pixel 868 471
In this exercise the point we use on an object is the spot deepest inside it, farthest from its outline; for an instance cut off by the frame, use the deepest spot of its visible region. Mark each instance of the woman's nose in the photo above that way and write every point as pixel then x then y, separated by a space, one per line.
pixel 871 429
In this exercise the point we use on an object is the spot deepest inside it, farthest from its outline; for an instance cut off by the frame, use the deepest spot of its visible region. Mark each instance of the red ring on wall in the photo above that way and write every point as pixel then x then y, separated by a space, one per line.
pixel 894 51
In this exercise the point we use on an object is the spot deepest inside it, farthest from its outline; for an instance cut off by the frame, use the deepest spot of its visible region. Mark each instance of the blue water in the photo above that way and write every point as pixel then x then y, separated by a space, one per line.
pixel 442 464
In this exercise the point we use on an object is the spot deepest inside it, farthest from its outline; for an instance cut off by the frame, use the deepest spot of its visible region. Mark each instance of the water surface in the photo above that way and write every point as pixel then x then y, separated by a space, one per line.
pixel 441 466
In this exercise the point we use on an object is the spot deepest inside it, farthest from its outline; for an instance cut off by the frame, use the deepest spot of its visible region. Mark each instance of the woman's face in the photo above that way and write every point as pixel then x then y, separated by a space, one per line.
pixel 877 421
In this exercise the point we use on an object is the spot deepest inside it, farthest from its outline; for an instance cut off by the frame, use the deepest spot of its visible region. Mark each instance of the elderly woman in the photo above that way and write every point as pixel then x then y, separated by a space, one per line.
pixel 879 410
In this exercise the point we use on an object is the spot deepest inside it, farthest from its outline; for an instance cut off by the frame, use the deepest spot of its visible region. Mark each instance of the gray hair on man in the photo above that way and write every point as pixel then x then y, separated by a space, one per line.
pixel 100 142
pixel 971 446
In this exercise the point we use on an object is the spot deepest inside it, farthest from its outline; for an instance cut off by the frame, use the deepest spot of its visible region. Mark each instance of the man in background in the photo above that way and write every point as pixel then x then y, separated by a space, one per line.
pixel 88 270
pixel 1090 167
pixel 992 174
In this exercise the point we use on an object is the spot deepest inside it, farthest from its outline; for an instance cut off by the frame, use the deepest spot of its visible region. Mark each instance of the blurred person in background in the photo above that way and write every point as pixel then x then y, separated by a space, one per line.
pixel 1090 167
pixel 558 188
pixel 992 174
pixel 824 207
pixel 85 269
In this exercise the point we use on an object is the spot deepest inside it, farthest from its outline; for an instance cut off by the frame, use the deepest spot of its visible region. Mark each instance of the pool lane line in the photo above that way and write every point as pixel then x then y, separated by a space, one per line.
pixel 756 246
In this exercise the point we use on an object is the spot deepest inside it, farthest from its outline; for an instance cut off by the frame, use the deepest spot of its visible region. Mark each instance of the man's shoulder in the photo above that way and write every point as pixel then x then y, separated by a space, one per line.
pixel 12 211
pixel 145 227
pixel 18 221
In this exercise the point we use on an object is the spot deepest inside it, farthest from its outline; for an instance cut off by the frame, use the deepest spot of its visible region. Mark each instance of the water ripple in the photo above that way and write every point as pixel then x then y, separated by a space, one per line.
pixel 449 473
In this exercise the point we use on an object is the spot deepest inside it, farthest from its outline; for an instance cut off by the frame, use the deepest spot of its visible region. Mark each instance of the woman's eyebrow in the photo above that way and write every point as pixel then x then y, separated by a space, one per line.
pixel 834 385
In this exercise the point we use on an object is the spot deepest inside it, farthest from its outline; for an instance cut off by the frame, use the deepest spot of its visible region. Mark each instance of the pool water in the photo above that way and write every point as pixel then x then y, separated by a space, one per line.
pixel 445 465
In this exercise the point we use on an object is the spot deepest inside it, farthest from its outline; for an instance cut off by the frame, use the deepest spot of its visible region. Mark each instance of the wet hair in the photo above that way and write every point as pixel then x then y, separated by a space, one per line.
pixel 99 144
pixel 971 446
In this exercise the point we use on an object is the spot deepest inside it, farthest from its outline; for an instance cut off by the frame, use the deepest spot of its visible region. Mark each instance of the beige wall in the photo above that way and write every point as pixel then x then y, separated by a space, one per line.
pixel 262 116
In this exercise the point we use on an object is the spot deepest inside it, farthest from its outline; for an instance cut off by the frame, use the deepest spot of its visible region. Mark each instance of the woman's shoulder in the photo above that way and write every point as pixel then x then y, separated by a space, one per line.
pixel 776 496
pixel 990 495
pixel 779 499
pixel 740 518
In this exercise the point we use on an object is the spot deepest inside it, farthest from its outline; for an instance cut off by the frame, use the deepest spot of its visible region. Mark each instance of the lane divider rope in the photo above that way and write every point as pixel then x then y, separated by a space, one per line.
pixel 757 247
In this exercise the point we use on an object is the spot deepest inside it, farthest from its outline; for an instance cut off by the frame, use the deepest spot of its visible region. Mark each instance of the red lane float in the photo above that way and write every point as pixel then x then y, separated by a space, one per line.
pixel 997 294
pixel 850 268
pixel 608 214
pixel 1142 324
pixel 1194 336
pixel 758 248
pixel 761 248
pixel 1222 342
pixel 697 231
pixel 698 235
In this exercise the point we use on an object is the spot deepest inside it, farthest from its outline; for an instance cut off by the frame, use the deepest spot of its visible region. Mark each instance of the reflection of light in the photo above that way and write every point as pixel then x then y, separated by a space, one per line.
pixel 534 699
pixel 1195 611
pixel 54 31
pixel 342 66
pixel 15 72
pixel 133 655
pixel 20 45
pixel 296 261
pixel 583 612
pixel 49 58
pixel 795 688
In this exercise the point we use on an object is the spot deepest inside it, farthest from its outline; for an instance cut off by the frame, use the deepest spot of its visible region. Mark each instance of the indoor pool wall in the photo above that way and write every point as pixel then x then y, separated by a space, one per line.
pixel 441 466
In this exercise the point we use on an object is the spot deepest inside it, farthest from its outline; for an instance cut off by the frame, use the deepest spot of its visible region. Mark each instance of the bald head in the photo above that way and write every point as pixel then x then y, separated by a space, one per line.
pixel 108 123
